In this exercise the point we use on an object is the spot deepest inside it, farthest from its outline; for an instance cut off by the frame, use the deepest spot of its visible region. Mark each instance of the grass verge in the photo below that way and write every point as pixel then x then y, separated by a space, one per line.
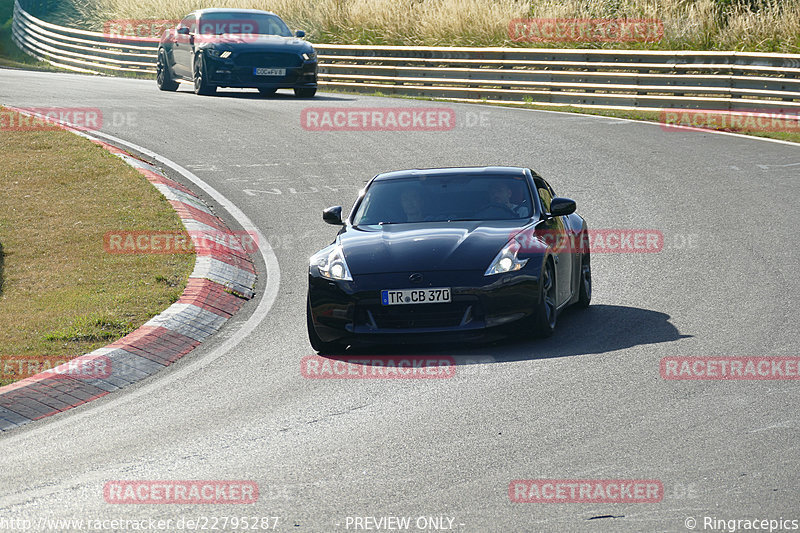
pixel 61 294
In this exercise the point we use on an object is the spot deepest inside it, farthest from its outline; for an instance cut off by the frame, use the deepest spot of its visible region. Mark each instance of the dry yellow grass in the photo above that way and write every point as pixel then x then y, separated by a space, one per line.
pixel 762 25
pixel 61 295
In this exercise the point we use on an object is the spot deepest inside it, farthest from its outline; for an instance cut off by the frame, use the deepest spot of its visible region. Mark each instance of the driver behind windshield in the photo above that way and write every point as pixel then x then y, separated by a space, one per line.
pixel 443 200
pixel 500 195
pixel 412 202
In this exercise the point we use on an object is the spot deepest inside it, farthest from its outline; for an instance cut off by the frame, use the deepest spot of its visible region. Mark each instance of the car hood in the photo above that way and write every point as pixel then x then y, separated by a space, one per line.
pixel 257 43
pixel 425 246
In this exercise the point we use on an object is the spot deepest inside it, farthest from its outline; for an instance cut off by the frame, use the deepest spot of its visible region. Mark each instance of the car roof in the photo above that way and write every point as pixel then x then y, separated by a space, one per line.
pixel 202 12
pixel 516 172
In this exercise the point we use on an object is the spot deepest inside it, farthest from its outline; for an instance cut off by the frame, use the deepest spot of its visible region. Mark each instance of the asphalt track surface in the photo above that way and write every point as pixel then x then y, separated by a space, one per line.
pixel 588 403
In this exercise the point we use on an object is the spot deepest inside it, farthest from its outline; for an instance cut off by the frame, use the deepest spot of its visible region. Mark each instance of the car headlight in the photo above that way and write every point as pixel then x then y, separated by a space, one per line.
pixel 331 264
pixel 506 260
pixel 222 54
pixel 310 57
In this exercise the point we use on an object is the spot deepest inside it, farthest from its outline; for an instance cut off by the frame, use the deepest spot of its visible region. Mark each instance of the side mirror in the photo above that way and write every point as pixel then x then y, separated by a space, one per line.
pixel 560 207
pixel 183 30
pixel 333 215
pixel 300 34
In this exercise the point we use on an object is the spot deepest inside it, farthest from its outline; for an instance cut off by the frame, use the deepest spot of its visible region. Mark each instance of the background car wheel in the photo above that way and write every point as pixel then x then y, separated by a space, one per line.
pixel 305 92
pixel 320 346
pixel 267 92
pixel 163 76
pixel 546 311
pixel 585 288
pixel 201 85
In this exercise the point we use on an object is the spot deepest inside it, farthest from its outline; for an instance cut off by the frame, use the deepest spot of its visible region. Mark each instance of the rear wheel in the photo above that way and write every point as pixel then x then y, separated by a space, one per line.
pixel 585 287
pixel 305 92
pixel 163 75
pixel 546 309
pixel 201 84
pixel 320 346
pixel 267 92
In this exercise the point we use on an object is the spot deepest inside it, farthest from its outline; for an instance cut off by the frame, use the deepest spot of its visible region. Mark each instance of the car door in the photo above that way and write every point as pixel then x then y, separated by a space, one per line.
pixel 555 230
pixel 182 51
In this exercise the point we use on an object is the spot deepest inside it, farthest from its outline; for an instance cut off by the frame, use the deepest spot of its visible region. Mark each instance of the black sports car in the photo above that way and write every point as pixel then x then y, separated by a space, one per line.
pixel 236 48
pixel 447 251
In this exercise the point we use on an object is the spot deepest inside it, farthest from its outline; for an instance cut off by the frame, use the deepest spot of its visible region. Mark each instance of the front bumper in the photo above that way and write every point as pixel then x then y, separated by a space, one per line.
pixel 344 311
pixel 238 71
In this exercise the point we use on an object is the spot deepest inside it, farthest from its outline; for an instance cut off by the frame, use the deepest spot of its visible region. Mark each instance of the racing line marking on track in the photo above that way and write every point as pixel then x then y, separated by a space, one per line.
pixel 263 307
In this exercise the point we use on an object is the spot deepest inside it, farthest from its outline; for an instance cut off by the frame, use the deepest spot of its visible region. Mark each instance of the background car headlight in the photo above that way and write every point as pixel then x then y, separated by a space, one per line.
pixel 506 260
pixel 310 57
pixel 331 264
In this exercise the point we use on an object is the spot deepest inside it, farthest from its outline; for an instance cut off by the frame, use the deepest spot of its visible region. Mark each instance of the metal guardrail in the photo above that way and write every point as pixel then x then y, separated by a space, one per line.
pixel 81 50
pixel 620 79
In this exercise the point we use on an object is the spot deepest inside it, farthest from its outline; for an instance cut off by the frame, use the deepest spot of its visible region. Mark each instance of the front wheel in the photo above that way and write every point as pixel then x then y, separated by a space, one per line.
pixel 201 84
pixel 546 309
pixel 305 92
pixel 320 346
pixel 163 76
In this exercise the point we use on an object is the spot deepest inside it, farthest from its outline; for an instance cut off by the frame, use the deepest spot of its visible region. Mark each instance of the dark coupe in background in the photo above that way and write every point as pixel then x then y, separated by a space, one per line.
pixel 447 251
pixel 236 48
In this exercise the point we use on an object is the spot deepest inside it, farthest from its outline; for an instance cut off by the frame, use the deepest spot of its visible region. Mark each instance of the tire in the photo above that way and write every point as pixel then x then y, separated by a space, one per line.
pixel 163 76
pixel 585 286
pixel 305 92
pixel 267 92
pixel 320 346
pixel 201 85
pixel 546 309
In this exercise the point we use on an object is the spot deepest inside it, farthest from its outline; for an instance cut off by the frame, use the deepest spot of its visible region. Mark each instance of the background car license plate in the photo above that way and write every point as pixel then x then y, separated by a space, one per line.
pixel 415 296
pixel 258 71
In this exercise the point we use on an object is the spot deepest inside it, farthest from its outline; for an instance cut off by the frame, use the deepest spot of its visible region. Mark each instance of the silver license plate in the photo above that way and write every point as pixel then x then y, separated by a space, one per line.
pixel 258 71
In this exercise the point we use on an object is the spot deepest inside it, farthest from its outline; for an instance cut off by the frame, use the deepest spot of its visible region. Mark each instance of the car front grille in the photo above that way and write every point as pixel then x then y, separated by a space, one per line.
pixel 268 59
pixel 443 315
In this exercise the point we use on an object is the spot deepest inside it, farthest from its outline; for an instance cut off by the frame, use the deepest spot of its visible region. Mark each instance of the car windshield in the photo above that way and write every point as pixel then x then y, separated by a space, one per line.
pixel 248 23
pixel 440 199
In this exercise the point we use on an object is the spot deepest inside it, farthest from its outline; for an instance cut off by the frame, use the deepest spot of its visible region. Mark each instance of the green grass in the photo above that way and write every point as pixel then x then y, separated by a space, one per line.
pixel 61 294
pixel 91 328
